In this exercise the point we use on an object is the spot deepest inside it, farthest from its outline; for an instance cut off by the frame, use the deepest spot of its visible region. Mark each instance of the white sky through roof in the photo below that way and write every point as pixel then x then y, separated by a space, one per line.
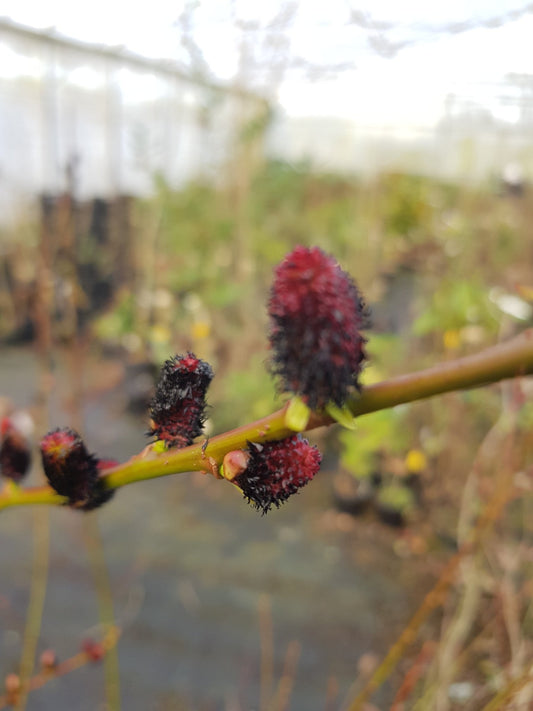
pixel 399 59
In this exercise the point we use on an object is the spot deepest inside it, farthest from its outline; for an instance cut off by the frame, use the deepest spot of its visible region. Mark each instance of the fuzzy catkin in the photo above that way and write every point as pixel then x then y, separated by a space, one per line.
pixel 316 315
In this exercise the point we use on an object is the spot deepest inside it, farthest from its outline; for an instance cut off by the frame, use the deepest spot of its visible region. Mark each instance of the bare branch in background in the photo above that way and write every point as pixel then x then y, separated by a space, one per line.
pixel 386 47
pixel 265 50
pixel 195 59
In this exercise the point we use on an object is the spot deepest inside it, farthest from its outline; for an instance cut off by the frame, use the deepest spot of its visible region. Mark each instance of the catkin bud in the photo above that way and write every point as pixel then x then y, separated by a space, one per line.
pixel 178 408
pixel 15 454
pixel 72 471
pixel 276 470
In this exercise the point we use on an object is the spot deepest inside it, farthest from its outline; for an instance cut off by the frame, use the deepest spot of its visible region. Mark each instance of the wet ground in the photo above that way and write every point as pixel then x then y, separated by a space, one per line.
pixel 191 565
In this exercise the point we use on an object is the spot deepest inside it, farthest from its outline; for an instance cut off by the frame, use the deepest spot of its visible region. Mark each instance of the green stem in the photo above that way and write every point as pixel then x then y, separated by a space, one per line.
pixel 507 360
pixel 104 597
pixel 11 496
pixel 39 581
pixel 511 359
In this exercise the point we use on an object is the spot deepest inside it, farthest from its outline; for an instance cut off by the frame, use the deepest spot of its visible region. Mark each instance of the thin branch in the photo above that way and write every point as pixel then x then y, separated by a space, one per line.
pixel 507 360
pixel 106 614
pixel 39 584
pixel 66 667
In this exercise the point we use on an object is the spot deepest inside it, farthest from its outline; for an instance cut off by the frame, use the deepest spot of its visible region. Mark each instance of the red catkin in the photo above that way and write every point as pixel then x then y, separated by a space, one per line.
pixel 178 408
pixel 277 470
pixel 316 313
pixel 72 471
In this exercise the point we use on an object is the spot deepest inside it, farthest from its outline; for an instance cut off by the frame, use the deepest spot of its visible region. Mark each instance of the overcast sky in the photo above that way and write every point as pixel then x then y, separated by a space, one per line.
pixel 390 60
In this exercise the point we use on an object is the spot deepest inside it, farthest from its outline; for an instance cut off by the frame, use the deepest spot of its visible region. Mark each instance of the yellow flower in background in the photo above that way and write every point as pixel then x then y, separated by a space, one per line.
pixel 451 339
pixel 415 461
pixel 200 330
pixel 159 333
pixel 525 291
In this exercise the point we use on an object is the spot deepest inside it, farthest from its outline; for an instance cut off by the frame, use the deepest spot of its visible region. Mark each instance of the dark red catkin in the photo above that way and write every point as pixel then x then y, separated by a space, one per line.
pixel 72 471
pixel 316 313
pixel 15 453
pixel 277 470
pixel 178 408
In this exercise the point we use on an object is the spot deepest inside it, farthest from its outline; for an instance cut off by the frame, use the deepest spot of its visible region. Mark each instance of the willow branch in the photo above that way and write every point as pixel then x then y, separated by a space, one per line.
pixel 507 360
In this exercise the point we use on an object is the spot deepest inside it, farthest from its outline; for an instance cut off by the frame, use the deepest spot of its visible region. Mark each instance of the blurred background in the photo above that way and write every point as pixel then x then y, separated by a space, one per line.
pixel 156 163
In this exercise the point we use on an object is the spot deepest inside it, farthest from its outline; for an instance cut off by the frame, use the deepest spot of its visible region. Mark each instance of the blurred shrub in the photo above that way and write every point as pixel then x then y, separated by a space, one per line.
pixel 243 395
pixel 408 207
pixel 456 304
pixel 379 434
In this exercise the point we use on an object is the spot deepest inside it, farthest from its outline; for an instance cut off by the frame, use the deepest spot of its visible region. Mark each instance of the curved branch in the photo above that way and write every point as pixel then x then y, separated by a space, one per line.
pixel 507 360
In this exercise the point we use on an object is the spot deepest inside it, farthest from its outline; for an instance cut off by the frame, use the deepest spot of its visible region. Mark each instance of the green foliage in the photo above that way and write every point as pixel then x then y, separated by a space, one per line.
pixel 119 321
pixel 456 303
pixel 408 205
pixel 243 395
pixel 384 351
pixel 377 433
pixel 220 242
pixel 525 417
pixel 396 497
pixel 194 228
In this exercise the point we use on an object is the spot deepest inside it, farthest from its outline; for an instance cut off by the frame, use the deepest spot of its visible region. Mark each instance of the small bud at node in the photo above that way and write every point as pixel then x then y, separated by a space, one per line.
pixel 48 660
pixel 72 471
pixel 94 650
pixel 12 685
pixel 234 464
